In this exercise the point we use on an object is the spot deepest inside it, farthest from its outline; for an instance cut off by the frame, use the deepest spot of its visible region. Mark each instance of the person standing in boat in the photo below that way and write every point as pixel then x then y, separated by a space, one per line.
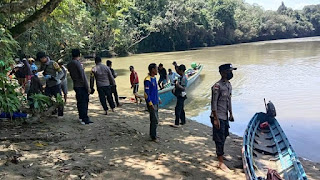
pixel 175 66
pixel 152 99
pixel 163 76
pixel 221 111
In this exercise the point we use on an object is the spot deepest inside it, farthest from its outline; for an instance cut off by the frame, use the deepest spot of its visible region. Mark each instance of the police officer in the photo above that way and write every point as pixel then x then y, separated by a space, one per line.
pixel 52 74
pixel 221 111
pixel 105 80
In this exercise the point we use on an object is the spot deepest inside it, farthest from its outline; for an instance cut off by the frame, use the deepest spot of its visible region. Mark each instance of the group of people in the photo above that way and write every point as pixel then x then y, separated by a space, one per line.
pixel 221 108
pixel 152 97
pixel 55 75
pixel 103 75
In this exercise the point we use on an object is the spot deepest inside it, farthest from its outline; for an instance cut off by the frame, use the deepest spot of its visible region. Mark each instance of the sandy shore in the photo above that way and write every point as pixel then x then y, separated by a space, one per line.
pixel 116 146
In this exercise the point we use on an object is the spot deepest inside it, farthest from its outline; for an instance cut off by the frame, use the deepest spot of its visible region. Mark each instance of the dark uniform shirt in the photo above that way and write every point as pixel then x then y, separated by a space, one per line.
pixel 52 68
pixel 163 74
pixel 221 99
pixel 35 86
pixel 77 74
pixel 114 74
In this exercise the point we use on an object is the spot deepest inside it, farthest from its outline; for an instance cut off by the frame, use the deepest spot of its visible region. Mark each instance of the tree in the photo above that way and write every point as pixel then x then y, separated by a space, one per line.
pixel 312 14
pixel 10 98
pixel 39 14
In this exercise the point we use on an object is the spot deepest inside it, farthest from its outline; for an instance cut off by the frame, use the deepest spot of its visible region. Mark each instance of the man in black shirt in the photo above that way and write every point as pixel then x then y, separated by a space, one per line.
pixel 114 87
pixel 80 86
pixel 163 76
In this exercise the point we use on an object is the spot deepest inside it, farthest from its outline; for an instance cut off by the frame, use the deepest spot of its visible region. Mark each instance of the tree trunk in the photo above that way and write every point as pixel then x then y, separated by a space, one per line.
pixel 35 18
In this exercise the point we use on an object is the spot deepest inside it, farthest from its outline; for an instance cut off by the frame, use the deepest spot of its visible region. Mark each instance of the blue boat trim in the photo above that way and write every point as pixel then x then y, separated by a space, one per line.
pixel 280 149
pixel 166 94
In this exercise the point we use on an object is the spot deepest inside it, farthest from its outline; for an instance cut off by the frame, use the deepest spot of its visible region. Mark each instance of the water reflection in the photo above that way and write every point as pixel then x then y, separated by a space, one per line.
pixel 284 71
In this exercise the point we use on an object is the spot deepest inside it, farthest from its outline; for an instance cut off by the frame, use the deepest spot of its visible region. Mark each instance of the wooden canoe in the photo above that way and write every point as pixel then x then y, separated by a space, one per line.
pixel 267 147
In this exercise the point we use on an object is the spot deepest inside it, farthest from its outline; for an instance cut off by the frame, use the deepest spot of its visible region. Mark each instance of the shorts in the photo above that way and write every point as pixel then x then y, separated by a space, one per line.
pixel 135 88
pixel 64 86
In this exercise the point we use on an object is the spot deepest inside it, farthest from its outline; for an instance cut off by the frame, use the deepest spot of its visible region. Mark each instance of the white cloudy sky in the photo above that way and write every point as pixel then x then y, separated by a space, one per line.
pixel 274 4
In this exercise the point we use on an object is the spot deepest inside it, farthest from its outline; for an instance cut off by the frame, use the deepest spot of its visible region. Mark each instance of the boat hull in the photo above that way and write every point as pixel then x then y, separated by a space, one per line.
pixel 166 94
pixel 269 148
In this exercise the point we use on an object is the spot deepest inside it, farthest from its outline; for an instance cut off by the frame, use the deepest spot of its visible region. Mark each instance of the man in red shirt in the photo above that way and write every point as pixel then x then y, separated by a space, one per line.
pixel 134 80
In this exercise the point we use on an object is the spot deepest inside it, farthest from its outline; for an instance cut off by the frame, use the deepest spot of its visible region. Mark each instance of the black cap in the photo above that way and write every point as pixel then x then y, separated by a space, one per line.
pixel 182 67
pixel 225 67
pixel 40 55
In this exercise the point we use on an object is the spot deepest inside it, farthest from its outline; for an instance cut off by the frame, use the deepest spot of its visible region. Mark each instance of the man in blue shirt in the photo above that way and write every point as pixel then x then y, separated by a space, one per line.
pixel 152 99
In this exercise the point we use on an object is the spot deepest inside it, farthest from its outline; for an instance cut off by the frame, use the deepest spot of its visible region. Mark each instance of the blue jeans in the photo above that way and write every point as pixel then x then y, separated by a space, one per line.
pixel 82 97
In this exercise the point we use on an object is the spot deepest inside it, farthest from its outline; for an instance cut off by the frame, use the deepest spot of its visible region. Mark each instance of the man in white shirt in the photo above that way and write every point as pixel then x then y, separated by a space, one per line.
pixel 172 76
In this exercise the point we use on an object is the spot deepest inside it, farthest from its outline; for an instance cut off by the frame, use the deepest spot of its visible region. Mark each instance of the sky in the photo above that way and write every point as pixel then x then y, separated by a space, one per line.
pixel 274 4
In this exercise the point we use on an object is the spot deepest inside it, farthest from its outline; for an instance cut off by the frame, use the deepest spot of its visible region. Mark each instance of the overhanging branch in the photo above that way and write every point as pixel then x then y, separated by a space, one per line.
pixel 38 16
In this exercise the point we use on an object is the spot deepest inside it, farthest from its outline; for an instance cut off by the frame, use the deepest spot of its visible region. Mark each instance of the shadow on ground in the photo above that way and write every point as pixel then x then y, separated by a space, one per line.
pixel 116 146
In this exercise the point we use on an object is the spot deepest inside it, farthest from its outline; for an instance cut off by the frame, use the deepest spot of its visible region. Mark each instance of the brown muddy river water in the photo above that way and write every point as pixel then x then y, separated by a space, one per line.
pixel 287 72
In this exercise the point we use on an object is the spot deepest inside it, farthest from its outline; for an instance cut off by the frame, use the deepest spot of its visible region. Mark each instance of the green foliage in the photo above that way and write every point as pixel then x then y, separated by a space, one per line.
pixel 312 14
pixel 10 97
pixel 42 103
pixel 101 27
pixel 59 100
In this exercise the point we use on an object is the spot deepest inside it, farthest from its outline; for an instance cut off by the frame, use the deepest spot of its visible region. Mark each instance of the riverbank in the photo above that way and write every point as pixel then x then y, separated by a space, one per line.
pixel 116 146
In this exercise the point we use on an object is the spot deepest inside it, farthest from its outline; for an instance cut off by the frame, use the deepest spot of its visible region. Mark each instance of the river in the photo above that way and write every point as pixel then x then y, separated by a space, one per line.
pixel 287 72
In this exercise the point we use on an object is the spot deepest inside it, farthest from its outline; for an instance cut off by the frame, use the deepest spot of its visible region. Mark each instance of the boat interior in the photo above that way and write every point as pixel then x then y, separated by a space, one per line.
pixel 269 148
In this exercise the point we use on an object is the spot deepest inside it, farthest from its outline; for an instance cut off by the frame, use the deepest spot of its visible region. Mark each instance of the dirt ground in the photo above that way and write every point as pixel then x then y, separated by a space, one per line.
pixel 116 146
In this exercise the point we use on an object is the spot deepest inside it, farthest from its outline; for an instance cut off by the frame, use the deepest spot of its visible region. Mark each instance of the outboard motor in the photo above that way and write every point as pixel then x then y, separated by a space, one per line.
pixel 271 110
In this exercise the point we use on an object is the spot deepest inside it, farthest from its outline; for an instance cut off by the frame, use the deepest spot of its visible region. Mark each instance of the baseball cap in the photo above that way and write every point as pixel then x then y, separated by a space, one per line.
pixel 225 67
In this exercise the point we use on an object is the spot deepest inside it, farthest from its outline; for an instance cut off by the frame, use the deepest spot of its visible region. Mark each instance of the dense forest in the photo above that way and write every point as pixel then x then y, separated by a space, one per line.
pixel 120 27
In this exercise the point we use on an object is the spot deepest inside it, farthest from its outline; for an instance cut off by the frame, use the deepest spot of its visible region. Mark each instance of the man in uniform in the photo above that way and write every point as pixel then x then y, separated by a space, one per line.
pixel 64 80
pixel 105 80
pixel 80 86
pixel 114 87
pixel 52 73
pixel 221 109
